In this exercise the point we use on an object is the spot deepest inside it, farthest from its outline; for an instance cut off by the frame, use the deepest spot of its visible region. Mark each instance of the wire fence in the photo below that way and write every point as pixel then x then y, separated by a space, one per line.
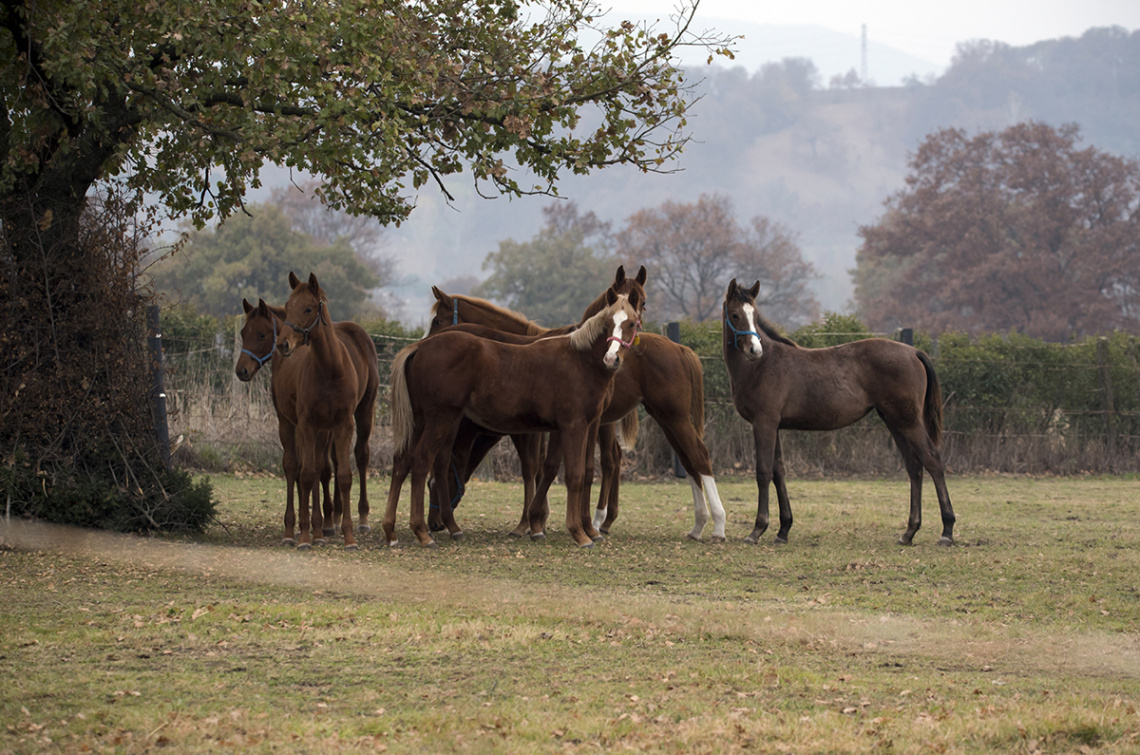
pixel 1011 405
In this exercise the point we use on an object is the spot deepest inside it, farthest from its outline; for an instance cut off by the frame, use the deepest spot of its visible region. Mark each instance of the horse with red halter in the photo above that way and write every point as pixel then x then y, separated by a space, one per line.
pixel 663 376
pixel 335 393
pixel 259 347
pixel 777 384
pixel 473 442
pixel 557 384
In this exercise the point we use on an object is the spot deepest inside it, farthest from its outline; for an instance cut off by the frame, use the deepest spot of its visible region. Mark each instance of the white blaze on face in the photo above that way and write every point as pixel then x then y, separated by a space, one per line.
pixel 611 358
pixel 752 346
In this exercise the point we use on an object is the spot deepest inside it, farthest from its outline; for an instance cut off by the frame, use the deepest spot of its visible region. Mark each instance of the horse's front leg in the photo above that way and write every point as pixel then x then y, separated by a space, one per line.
pixel 764 439
pixel 330 506
pixel 539 508
pixel 312 449
pixel 529 447
pixel 342 440
pixel 286 433
pixel 779 477
pixel 444 465
pixel 610 451
pixel 574 470
pixel 587 482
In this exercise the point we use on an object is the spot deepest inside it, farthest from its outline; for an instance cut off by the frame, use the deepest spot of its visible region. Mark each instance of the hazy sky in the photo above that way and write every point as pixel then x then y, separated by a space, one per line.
pixel 921 27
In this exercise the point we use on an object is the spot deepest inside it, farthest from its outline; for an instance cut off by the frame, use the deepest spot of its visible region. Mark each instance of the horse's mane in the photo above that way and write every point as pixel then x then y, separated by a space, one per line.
pixel 589 331
pixel 772 330
pixel 532 328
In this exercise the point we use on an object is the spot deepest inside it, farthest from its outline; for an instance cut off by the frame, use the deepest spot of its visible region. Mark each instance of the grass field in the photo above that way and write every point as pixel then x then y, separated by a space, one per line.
pixel 1023 638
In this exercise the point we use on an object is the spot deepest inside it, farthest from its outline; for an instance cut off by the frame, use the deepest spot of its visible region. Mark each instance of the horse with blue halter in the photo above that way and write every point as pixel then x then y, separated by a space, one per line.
pixel 777 384
pixel 557 384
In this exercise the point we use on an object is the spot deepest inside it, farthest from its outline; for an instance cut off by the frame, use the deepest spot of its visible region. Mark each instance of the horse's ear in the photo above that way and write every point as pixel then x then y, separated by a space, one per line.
pixel 294 281
pixel 619 276
pixel 263 308
pixel 635 299
pixel 246 306
pixel 731 288
pixel 755 290
pixel 313 283
pixel 611 296
pixel 441 296
pixel 641 275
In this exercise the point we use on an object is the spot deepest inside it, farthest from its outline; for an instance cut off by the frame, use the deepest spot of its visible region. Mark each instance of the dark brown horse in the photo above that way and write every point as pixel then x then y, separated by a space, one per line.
pixel 259 334
pixel 335 392
pixel 558 384
pixel 663 376
pixel 777 384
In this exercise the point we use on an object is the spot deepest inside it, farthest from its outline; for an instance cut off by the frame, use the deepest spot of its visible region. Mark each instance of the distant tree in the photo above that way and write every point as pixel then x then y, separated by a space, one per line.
pixel 692 251
pixel 250 256
pixel 553 277
pixel 1018 230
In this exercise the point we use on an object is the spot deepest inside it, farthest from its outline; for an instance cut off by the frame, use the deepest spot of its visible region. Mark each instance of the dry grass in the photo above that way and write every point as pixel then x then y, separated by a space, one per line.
pixel 1021 639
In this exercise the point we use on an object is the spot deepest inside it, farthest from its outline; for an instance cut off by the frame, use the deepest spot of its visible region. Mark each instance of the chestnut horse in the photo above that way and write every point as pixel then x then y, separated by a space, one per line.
pixel 473 442
pixel 558 384
pixel 259 347
pixel 663 376
pixel 335 391
pixel 777 384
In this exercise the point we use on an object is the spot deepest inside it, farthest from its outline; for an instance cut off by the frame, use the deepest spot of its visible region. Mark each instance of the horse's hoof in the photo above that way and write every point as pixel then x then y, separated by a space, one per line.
pixel 752 540
pixel 515 533
pixel 904 541
pixel 606 533
pixel 946 541
pixel 599 538
pixel 433 544
pixel 288 541
pixel 328 532
pixel 694 538
pixel 457 536
pixel 586 545
pixel 304 546
pixel 781 540
pixel 437 527
pixel 353 547
pixel 320 541
pixel 717 539
pixel 363 529
pixel 393 543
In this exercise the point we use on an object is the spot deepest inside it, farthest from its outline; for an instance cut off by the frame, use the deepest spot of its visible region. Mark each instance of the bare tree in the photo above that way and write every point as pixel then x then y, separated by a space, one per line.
pixel 694 249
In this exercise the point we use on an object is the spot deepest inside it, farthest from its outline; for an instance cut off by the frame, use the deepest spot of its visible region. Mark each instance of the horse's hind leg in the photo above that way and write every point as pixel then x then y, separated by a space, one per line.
pixel 331 503
pixel 365 415
pixel 764 438
pixel 931 459
pixel 694 457
pixel 539 508
pixel 442 467
pixel 529 447
pixel 400 467
pixel 914 472
pixel 610 451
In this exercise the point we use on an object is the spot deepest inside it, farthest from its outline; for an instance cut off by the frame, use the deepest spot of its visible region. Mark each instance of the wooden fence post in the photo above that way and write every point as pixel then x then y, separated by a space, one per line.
pixel 1104 371
pixel 158 390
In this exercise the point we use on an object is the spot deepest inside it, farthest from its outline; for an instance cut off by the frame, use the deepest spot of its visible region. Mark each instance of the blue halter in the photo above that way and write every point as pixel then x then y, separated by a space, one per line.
pixel 736 334
pixel 262 360
pixel 454 311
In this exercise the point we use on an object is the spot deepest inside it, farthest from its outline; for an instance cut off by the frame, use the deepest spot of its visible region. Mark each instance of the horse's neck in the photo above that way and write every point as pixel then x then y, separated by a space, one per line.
pixel 328 351
pixel 505 323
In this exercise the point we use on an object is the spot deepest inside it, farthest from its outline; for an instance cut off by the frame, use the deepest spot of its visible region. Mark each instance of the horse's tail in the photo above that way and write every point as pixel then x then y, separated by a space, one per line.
pixel 932 404
pixel 697 390
pixel 628 430
pixel 403 423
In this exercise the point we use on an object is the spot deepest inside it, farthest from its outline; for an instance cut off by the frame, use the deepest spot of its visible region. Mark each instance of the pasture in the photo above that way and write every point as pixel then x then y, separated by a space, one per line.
pixel 1022 638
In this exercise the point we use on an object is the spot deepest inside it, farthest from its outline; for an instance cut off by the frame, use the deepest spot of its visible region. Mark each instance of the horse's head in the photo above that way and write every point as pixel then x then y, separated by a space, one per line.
pixel 626 286
pixel 622 317
pixel 306 310
pixel 742 319
pixel 444 312
pixel 258 339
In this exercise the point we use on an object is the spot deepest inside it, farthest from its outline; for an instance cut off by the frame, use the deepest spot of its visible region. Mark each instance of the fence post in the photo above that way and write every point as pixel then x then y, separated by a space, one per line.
pixel 158 390
pixel 1104 370
pixel 906 335
pixel 673 333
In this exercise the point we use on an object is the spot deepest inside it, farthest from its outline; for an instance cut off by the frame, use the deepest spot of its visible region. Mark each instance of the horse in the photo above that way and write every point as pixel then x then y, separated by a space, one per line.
pixel 335 391
pixel 473 442
pixel 777 384
pixel 557 384
pixel 663 376
pixel 259 347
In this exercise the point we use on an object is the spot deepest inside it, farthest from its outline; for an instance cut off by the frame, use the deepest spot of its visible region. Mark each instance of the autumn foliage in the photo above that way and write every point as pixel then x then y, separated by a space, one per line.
pixel 1013 231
